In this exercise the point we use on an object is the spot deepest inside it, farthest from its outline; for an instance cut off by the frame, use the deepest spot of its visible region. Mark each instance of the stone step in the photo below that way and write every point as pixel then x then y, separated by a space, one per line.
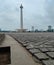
pixel 48 62
pixel 34 51
pixel 51 49
pixel 50 54
pixel 30 47
pixel 41 56
pixel 44 49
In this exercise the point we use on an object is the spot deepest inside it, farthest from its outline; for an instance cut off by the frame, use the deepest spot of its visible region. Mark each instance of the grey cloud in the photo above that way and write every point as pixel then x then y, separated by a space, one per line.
pixel 50 10
pixel 34 13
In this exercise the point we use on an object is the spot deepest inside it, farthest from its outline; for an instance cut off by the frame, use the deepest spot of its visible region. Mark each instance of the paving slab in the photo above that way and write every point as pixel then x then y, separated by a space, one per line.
pixel 48 62
pixel 37 46
pixel 34 51
pixel 32 43
pixel 25 44
pixel 51 49
pixel 19 56
pixel 47 46
pixel 39 43
pixel 41 56
pixel 51 54
pixel 27 41
pixel 22 42
pixel 30 47
pixel 47 43
pixel 44 49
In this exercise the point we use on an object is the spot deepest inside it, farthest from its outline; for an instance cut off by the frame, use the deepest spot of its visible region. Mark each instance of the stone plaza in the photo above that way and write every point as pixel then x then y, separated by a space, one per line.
pixel 39 45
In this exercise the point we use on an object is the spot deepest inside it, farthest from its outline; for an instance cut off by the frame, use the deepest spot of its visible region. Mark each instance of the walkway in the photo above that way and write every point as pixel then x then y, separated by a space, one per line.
pixel 19 56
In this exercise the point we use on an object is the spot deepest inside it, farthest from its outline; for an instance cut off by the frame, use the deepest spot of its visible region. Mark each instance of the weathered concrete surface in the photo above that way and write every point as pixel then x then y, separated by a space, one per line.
pixel 19 56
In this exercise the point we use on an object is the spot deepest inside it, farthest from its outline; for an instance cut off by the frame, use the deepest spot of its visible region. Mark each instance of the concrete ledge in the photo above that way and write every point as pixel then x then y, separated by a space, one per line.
pixel 2 36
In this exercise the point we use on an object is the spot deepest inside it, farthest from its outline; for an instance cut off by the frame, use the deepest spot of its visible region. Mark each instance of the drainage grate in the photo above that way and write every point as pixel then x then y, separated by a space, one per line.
pixel 5 55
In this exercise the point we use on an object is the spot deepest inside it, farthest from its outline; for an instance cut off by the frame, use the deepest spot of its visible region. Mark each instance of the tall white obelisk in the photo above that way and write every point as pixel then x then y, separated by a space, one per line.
pixel 21 17
pixel 21 20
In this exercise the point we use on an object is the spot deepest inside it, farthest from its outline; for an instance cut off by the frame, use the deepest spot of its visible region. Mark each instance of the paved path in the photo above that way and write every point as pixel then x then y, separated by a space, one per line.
pixel 19 56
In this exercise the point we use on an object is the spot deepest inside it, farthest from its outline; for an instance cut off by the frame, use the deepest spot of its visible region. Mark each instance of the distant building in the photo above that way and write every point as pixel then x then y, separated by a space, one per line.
pixel 36 30
pixel 32 28
pixel 50 28
pixel 0 30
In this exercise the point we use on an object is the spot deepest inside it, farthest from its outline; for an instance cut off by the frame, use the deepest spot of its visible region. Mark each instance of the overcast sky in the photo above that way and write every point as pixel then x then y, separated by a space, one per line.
pixel 37 13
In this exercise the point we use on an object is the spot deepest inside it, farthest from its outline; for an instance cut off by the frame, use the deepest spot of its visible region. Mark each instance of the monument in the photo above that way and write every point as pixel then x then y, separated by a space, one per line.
pixel 21 20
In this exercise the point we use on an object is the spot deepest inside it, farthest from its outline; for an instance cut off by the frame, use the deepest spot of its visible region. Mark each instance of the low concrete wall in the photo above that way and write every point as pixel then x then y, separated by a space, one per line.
pixel 2 36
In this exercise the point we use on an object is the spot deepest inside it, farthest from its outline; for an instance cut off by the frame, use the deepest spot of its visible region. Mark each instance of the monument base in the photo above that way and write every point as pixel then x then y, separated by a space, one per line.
pixel 21 30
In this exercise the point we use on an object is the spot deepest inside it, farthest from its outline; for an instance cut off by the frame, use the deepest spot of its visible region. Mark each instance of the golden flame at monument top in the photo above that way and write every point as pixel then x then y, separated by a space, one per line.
pixel 21 6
